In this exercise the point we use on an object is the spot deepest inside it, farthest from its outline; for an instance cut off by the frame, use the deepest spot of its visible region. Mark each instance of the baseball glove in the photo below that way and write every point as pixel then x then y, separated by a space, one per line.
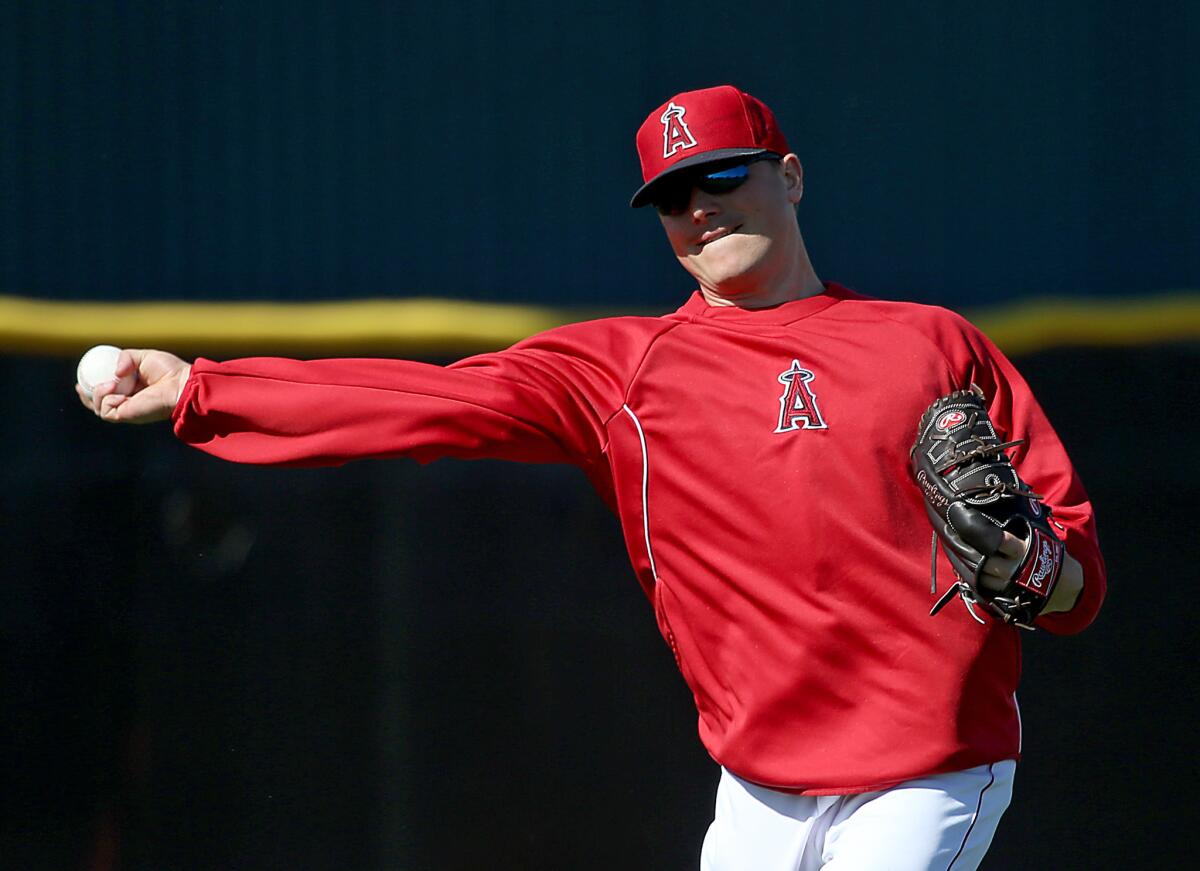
pixel 973 495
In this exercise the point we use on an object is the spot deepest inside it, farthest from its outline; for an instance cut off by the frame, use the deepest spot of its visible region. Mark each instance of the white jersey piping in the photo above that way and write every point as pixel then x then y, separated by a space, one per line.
pixel 1020 728
pixel 645 488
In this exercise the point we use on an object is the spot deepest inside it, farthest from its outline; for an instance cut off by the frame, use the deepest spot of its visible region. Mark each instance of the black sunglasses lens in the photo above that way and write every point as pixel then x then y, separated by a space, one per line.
pixel 673 197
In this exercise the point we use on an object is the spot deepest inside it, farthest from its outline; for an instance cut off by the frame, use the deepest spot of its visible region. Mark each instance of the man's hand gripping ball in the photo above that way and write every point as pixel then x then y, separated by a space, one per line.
pixel 973 497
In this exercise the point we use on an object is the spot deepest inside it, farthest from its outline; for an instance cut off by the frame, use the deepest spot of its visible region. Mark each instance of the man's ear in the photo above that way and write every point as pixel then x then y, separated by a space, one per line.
pixel 793 177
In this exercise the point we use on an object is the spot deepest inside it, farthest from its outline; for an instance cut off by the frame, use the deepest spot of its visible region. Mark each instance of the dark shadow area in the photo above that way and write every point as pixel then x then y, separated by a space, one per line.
pixel 452 667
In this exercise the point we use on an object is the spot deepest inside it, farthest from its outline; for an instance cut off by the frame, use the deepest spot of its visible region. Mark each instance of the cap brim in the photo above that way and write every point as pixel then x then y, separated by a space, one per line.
pixel 643 195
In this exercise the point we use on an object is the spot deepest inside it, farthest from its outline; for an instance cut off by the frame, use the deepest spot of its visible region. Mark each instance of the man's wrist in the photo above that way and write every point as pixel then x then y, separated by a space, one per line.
pixel 185 373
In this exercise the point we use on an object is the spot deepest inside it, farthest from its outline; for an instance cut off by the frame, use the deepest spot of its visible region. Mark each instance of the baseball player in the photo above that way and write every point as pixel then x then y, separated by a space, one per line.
pixel 757 445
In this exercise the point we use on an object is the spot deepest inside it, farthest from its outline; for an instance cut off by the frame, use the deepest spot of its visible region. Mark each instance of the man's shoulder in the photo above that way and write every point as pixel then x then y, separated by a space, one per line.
pixel 899 309
pixel 926 318
pixel 616 344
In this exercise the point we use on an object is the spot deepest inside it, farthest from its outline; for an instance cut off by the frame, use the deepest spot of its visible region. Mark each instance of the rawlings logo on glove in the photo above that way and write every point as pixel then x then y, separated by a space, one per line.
pixel 973 496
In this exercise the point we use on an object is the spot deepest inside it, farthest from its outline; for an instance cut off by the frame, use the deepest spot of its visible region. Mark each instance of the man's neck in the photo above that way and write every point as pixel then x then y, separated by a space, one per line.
pixel 805 285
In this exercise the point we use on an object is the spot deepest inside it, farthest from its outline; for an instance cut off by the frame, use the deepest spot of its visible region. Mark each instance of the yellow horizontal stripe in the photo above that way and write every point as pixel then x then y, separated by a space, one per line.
pixel 1035 325
pixel 438 327
pixel 388 327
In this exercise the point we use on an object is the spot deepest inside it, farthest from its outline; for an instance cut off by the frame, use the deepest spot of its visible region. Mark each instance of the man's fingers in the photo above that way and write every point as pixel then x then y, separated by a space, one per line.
pixel 100 391
pixel 1003 564
pixel 151 404
pixel 1000 567
pixel 129 368
pixel 1012 546
pixel 147 363
pixel 129 361
pixel 108 405
pixel 153 381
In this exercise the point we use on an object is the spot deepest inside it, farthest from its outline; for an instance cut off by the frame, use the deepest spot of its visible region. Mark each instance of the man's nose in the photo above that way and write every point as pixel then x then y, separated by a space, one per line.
pixel 703 205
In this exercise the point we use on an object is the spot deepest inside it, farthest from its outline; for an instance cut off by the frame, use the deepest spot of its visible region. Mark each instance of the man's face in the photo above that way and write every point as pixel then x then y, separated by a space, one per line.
pixel 739 245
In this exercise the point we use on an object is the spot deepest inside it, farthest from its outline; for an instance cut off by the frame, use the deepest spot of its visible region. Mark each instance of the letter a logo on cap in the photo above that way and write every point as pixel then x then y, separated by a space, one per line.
pixel 675 130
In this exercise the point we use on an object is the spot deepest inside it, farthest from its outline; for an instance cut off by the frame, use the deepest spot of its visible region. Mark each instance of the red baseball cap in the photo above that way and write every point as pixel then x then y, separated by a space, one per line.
pixel 702 126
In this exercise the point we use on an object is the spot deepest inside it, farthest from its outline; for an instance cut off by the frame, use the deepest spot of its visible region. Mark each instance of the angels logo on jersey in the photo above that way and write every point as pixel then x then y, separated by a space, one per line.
pixel 798 404
pixel 675 130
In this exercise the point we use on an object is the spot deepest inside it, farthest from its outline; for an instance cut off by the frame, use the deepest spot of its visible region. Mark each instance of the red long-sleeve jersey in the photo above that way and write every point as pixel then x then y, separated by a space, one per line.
pixel 758 461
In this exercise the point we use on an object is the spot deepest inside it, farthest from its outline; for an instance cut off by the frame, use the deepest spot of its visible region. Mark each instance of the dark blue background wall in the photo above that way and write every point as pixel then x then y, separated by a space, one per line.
pixel 452 667
pixel 960 153
pixel 209 666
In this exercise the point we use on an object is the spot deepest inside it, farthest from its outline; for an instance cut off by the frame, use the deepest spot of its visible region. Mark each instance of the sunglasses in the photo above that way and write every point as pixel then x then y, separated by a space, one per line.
pixel 674 194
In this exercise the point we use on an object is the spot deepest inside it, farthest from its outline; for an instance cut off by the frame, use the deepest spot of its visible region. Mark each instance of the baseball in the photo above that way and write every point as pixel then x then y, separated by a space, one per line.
pixel 99 364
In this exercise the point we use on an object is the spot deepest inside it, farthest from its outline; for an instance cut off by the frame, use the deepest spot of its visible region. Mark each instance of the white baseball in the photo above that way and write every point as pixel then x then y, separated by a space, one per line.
pixel 99 364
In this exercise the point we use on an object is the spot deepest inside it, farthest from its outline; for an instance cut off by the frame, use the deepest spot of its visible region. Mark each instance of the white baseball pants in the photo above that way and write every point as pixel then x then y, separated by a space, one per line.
pixel 943 822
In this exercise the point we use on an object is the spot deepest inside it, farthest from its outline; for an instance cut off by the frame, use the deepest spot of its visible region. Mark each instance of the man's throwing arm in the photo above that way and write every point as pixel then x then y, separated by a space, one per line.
pixel 327 412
